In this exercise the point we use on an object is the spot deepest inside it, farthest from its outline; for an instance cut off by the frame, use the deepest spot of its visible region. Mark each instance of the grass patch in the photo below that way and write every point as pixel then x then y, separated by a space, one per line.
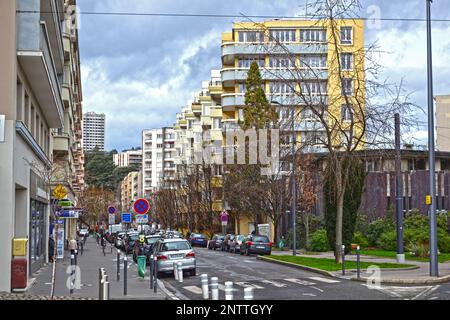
pixel 443 257
pixel 330 265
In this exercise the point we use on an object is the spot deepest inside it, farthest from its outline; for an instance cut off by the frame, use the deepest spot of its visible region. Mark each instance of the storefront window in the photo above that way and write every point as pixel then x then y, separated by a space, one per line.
pixel 37 230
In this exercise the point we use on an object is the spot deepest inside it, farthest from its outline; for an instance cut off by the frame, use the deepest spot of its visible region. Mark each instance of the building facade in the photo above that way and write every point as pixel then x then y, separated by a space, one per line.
pixel 31 72
pixel 94 131
pixel 131 189
pixel 158 166
pixel 128 158
pixel 443 122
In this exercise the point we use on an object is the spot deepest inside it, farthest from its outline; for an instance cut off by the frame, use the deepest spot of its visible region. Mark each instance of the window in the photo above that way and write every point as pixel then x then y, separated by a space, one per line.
pixel 347 87
pixel 284 113
pixel 346 35
pixel 313 35
pixel 190 124
pixel 308 114
pixel 241 114
pixel 313 61
pixel 206 110
pixel 313 87
pixel 347 112
pixel 242 87
pixel 159 146
pixel 159 136
pixel 217 123
pixel 347 61
pixel 245 62
pixel 313 138
pixel 282 62
pixel 251 36
pixel 282 87
pixel 282 35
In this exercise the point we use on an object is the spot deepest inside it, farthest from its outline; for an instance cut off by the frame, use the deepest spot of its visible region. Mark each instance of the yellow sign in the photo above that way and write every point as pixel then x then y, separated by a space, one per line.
pixel 427 200
pixel 60 192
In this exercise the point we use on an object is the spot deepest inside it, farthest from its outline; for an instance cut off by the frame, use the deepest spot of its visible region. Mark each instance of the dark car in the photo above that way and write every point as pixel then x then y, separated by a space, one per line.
pixel 259 244
pixel 216 242
pixel 227 242
pixel 197 239
pixel 145 249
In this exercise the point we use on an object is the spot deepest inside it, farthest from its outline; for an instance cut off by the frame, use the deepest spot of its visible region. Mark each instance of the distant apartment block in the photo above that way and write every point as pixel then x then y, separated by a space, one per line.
pixel 128 158
pixel 131 189
pixel 93 131
pixel 443 122
pixel 158 166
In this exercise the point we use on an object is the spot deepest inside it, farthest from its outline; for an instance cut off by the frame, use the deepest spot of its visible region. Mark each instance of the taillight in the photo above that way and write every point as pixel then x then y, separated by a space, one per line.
pixel 271 244
pixel 249 243
pixel 161 257
pixel 190 255
pixel 194 238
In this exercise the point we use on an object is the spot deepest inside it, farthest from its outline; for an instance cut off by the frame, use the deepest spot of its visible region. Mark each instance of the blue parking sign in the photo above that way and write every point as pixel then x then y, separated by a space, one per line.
pixel 126 217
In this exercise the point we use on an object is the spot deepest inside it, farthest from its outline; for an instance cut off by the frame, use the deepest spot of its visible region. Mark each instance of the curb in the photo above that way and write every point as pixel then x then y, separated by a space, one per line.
pixel 297 266
pixel 405 281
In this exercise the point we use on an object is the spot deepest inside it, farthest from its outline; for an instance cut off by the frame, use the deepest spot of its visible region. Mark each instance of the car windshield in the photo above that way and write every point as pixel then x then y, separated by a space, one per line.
pixel 197 235
pixel 240 238
pixel 175 246
pixel 260 239
pixel 134 237
pixel 151 240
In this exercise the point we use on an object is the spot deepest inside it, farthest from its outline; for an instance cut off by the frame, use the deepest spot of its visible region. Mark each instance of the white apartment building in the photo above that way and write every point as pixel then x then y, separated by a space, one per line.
pixel 93 131
pixel 128 158
pixel 158 161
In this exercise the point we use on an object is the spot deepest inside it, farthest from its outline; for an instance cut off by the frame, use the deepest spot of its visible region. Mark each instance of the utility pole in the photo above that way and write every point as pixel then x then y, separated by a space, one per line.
pixel 294 186
pixel 434 272
pixel 398 192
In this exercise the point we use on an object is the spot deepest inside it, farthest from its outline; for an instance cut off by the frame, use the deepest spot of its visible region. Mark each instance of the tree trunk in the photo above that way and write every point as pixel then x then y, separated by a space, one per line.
pixel 339 211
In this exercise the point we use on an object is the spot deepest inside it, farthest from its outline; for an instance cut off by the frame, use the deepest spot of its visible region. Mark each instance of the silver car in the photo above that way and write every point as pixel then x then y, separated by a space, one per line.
pixel 175 250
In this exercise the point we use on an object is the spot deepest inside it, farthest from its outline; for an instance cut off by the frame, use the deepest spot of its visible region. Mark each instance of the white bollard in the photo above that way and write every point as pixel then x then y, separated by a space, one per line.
pixel 229 290
pixel 215 288
pixel 248 293
pixel 180 272
pixel 205 289
pixel 175 271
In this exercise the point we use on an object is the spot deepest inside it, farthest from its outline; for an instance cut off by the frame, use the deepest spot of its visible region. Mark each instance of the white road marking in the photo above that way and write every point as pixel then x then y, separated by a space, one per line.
pixel 324 280
pixel 302 282
pixel 193 289
pixel 274 283
pixel 249 285
pixel 433 298
pixel 249 261
pixel 426 292
pixel 310 294
pixel 49 283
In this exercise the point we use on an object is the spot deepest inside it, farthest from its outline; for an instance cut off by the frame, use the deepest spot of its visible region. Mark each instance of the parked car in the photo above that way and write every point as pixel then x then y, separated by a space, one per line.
pixel 169 251
pixel 256 244
pixel 227 242
pixel 84 232
pixel 197 239
pixel 146 249
pixel 216 242
pixel 235 245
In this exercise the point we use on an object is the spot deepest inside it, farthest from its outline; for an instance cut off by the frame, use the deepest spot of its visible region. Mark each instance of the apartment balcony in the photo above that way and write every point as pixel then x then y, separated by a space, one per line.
pixel 61 143
pixel 196 108
pixel 231 100
pixel 183 123
pixel 232 49
pixel 231 75
pixel 216 135
pixel 215 89
pixel 206 121
pixel 216 111
pixel 36 58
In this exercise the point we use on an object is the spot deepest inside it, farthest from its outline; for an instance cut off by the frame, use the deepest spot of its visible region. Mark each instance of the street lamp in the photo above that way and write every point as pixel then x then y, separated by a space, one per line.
pixel 434 272
pixel 293 182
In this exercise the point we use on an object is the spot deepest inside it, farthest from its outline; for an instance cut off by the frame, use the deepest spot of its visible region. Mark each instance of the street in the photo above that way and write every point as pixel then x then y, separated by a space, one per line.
pixel 275 282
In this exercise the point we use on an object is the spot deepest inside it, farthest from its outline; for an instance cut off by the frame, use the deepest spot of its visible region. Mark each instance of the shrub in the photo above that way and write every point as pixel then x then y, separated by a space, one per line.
pixel 388 241
pixel 376 228
pixel 319 241
pixel 360 240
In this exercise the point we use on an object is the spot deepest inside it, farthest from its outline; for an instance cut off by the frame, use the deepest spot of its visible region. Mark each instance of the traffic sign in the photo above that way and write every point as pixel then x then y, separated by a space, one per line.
pixel 141 206
pixel 141 218
pixel 60 192
pixel 126 217
pixel 111 209
pixel 112 218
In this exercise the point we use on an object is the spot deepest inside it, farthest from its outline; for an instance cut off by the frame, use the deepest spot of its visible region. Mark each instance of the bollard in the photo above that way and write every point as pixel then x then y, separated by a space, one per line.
pixel 106 290
pixel 72 271
pixel 214 288
pixel 155 277
pixel 175 271
pixel 100 286
pixel 358 263
pixel 118 264
pixel 229 290
pixel 248 293
pixel 343 260
pixel 151 271
pixel 125 271
pixel 76 257
pixel 205 289
pixel 180 272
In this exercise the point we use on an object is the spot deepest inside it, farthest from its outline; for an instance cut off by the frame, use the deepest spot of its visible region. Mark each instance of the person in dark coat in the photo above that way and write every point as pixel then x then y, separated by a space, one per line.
pixel 51 248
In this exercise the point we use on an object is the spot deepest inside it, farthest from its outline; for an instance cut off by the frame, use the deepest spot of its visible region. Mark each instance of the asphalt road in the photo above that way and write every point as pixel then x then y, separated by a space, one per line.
pixel 275 282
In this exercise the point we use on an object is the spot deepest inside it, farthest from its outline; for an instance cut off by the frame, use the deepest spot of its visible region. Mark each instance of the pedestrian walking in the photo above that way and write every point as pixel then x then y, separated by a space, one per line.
pixel 51 248
pixel 73 245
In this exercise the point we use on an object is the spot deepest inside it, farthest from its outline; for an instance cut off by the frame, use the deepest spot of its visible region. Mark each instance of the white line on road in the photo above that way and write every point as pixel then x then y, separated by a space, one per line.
pixel 302 282
pixel 310 294
pixel 324 280
pixel 274 283
pixel 426 292
pixel 248 285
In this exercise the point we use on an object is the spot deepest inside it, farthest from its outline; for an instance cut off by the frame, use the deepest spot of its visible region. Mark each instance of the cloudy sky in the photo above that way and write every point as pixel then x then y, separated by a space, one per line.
pixel 140 70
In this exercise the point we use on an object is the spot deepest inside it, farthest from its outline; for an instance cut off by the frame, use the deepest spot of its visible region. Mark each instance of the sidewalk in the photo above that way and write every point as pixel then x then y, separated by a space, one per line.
pixel 89 263
pixel 419 275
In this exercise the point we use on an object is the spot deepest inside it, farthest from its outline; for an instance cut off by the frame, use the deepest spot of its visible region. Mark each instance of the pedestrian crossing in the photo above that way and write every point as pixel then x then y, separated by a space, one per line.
pixel 267 284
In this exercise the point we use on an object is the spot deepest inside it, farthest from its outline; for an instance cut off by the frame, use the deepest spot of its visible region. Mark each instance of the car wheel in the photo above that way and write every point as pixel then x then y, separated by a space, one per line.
pixel 216 248
pixel 193 272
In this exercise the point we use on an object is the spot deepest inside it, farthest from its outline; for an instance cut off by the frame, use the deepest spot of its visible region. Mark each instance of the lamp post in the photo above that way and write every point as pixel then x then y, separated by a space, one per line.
pixel 434 272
